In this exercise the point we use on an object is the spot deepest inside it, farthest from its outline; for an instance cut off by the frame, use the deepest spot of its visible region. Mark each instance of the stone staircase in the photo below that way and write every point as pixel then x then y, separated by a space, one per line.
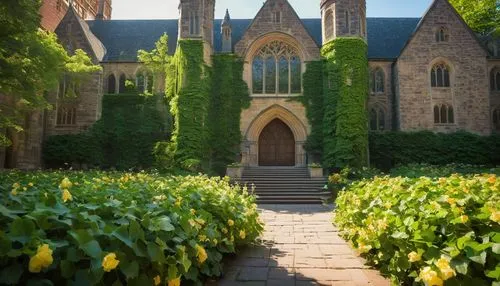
pixel 284 185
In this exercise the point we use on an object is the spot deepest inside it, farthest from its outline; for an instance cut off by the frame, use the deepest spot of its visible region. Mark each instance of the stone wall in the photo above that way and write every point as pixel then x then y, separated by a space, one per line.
pixel 466 60
pixel 348 18
pixel 383 100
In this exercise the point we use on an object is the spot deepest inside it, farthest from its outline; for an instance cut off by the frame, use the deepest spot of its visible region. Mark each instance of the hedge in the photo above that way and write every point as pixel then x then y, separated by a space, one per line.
pixel 388 149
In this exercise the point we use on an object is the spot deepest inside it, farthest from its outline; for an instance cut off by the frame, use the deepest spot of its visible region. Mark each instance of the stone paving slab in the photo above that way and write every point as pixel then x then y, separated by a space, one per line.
pixel 299 247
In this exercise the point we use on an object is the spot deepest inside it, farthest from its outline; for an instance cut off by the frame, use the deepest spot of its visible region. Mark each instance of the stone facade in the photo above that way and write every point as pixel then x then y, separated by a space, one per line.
pixel 405 100
pixel 466 60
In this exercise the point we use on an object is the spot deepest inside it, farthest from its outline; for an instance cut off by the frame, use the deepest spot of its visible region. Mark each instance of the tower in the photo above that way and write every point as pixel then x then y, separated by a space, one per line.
pixel 196 20
pixel 343 18
pixel 227 43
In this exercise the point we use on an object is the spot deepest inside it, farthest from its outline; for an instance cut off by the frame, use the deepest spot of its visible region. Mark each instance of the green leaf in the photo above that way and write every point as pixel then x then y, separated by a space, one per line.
pixel 130 269
pixel 82 236
pixel 92 249
pixel 464 239
pixel 122 234
pixel 11 274
pixel 155 253
pixel 481 258
pixel 10 213
pixel 496 248
pixel 495 274
pixel 136 231
pixel 172 272
pixel 400 235
pixel 22 229
pixel 164 224
pixel 461 265
pixel 67 269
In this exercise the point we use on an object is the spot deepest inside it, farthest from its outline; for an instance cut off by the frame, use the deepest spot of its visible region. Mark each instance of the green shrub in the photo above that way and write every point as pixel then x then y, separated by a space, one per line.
pixel 433 171
pixel 425 231
pixel 389 149
pixel 57 231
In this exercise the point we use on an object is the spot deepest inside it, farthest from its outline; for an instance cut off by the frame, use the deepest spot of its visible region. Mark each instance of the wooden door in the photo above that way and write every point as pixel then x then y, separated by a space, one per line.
pixel 276 145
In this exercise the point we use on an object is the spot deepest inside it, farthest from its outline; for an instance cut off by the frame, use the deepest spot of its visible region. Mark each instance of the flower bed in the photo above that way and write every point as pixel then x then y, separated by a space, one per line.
pixel 119 228
pixel 426 231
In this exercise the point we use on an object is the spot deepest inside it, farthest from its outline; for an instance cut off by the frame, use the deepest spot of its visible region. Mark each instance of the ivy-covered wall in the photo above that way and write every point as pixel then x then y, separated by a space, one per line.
pixel 313 100
pixel 123 138
pixel 345 127
pixel 228 97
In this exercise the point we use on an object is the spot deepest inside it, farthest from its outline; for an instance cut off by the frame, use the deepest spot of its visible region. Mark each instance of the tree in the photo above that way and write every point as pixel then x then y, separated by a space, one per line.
pixel 483 16
pixel 157 60
pixel 31 63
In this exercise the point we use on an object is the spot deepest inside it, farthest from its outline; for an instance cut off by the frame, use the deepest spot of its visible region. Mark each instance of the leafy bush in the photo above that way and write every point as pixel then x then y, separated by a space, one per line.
pixel 433 171
pixel 390 149
pixel 426 231
pixel 119 228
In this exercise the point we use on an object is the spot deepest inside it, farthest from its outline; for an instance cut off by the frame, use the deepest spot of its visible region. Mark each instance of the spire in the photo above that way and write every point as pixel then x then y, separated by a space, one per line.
pixel 227 19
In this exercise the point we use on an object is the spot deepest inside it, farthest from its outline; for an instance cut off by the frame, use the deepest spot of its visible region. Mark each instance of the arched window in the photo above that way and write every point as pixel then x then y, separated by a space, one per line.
pixel 440 76
pixel 328 25
pixel 444 114
pixel 377 119
pixel 122 87
pixel 377 81
pixel 66 115
pixel 442 35
pixel 495 80
pixel 111 84
pixel 276 69
pixel 194 23
pixel 144 81
pixel 496 119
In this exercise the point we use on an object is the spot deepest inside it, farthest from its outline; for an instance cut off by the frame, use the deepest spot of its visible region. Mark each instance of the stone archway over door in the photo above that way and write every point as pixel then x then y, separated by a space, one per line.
pixel 276 145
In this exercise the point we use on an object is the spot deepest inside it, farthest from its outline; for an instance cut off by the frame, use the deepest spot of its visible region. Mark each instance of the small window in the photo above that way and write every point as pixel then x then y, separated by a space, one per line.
pixel 444 114
pixel 328 24
pixel 347 22
pixel 377 81
pixel 68 88
pixel 496 119
pixel 495 80
pixel 442 35
pixel 111 84
pixel 440 76
pixel 377 119
pixel 66 115
pixel 194 23
pixel 277 17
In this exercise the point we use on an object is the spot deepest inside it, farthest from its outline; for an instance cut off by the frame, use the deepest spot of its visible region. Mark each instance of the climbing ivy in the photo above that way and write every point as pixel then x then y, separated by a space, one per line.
pixel 313 100
pixel 189 98
pixel 345 128
pixel 229 95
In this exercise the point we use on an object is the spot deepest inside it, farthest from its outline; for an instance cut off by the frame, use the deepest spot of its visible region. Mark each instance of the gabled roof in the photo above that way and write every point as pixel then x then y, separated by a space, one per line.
pixel 123 38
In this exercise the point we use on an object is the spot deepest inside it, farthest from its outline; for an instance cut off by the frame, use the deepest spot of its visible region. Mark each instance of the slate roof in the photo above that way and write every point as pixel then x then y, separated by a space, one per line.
pixel 123 38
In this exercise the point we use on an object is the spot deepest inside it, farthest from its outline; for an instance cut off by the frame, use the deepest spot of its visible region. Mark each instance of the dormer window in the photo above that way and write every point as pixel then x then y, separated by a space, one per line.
pixel 442 35
pixel 277 17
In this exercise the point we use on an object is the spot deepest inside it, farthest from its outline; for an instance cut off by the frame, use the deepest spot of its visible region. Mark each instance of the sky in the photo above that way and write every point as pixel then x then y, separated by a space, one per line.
pixel 246 9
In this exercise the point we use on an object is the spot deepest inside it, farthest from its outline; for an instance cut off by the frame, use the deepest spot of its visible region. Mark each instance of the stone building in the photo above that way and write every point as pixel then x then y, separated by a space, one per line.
pixel 52 11
pixel 430 73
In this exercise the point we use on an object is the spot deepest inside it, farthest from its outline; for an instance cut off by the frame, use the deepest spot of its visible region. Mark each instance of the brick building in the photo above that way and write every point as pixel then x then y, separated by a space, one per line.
pixel 52 11
pixel 430 73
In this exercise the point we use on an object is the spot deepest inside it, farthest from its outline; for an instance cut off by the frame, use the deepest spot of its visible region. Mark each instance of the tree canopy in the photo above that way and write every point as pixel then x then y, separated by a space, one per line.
pixel 31 62
pixel 483 16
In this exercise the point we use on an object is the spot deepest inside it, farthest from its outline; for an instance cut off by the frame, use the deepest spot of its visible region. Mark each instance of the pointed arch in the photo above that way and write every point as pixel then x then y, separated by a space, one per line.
pixel 111 84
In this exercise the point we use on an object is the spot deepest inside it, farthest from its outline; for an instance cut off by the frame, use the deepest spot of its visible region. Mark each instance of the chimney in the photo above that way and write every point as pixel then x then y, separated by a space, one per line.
pixel 100 10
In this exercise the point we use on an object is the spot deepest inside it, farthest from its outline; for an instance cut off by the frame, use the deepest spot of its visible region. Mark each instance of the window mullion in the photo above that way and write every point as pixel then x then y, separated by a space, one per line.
pixel 264 70
pixel 276 81
pixel 289 77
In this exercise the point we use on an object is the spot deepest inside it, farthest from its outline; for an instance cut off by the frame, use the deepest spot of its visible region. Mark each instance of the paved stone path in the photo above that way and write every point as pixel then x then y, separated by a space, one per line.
pixel 300 246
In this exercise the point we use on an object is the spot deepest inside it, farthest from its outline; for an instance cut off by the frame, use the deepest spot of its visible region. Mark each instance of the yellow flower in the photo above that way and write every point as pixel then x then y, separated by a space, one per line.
pixel 224 230
pixel 243 234
pixel 31 184
pixel 65 184
pixel 443 262
pixel 110 262
pixel 174 282
pixel 42 259
pixel 430 277
pixel 414 257
pixel 364 248
pixel 492 179
pixel 66 196
pixel 215 241
pixel 447 273
pixel 177 203
pixel 230 222
pixel 451 201
pixel 495 216
pixel 201 254
pixel 157 280
pixel 200 221
pixel 193 211
pixel 14 192
pixel 16 186
pixel 202 237
pixel 464 219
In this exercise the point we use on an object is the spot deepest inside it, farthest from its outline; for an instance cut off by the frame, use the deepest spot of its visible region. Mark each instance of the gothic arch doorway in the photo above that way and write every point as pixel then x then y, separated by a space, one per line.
pixel 276 145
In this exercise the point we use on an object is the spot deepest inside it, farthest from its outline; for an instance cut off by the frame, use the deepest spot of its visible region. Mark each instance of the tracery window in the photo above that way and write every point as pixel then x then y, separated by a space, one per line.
pixel 496 119
pixel 377 119
pixel 377 81
pixel 144 81
pixel 66 115
pixel 111 84
pixel 442 35
pixel 276 69
pixel 495 80
pixel 443 114
pixel 440 76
